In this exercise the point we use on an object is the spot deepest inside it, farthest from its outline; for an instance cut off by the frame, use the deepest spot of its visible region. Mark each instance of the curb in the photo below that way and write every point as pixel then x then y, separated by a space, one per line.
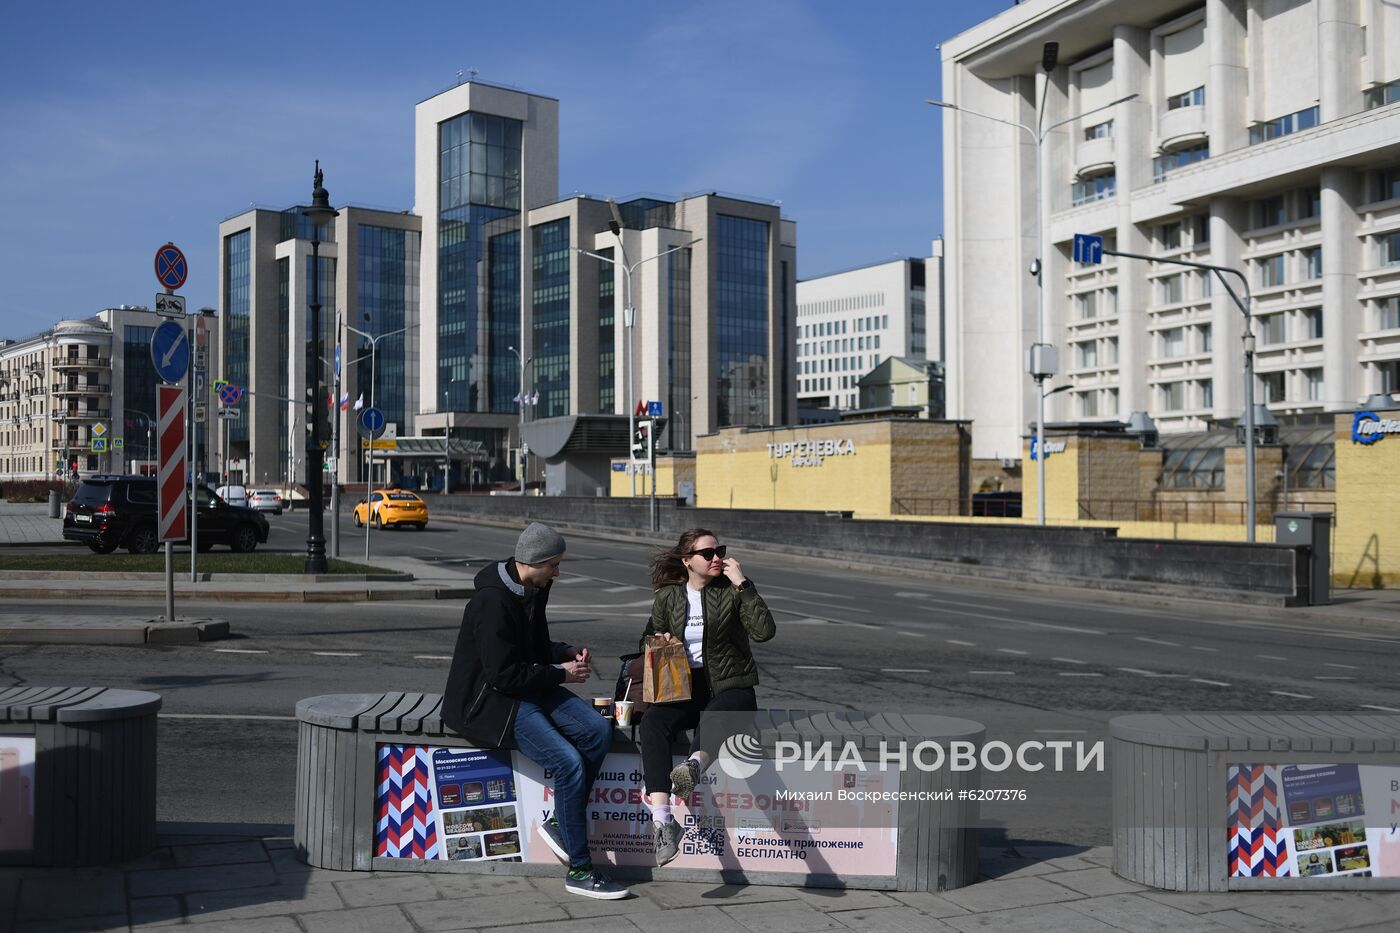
pixel 153 632
pixel 144 575
pixel 294 596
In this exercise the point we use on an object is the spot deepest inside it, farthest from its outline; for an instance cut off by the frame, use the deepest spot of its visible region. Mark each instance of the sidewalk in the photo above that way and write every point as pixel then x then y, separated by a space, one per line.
pixel 254 884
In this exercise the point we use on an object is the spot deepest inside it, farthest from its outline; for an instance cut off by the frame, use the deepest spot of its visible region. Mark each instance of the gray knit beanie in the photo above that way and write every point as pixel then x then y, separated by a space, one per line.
pixel 538 543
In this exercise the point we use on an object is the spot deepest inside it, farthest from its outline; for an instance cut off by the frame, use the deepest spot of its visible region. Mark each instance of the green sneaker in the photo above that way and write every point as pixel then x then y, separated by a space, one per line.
pixel 667 837
pixel 684 777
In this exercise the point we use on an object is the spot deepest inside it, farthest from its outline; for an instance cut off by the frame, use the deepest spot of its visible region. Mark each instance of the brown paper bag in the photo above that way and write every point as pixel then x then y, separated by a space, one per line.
pixel 665 670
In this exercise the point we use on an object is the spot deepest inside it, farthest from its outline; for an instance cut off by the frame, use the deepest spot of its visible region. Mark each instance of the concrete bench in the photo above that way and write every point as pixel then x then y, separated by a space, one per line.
pixel 1232 801
pixel 77 775
pixel 383 785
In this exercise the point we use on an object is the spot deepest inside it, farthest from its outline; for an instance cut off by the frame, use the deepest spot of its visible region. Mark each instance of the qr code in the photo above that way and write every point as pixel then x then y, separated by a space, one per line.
pixel 704 841
pixel 715 821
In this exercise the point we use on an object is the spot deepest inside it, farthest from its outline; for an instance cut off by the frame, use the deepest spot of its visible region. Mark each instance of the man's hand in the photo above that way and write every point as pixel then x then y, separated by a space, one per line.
pixel 576 672
pixel 734 572
pixel 579 653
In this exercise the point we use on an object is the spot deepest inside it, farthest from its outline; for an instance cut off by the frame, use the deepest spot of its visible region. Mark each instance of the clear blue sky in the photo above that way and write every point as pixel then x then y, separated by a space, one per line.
pixel 129 124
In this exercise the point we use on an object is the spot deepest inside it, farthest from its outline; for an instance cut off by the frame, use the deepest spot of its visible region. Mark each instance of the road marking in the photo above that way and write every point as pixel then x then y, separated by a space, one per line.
pixel 1012 651
pixel 1079 674
pixel 1333 677
pixel 240 651
pixel 568 580
pixel 914 634
pixel 913 595
pixel 1069 660
pixel 1345 667
pixel 904 670
pixel 1005 673
pixel 433 657
pixel 808 621
pixel 1159 641
pixel 1270 657
pixel 1296 696
pixel 222 716
pixel 1213 683
pixel 814 667
pixel 1383 709
pixel 965 644
pixel 1204 648
pixel 337 654
pixel 619 589
pixel 1140 671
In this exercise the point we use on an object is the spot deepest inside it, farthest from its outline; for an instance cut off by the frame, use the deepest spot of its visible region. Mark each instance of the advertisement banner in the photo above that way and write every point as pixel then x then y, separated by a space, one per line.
pixel 760 818
pixel 446 803
pixel 16 793
pixel 1313 821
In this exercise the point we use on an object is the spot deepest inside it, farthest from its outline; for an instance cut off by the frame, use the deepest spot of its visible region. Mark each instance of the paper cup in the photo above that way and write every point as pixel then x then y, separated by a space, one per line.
pixel 622 710
pixel 603 705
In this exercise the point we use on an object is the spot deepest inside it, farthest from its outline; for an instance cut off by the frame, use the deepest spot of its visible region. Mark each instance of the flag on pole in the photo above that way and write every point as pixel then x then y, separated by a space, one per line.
pixel 360 402
pixel 535 399
pixel 330 401
pixel 516 400
pixel 345 401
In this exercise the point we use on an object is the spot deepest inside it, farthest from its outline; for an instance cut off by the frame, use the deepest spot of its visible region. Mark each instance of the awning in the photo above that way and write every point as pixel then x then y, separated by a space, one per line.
pixel 435 448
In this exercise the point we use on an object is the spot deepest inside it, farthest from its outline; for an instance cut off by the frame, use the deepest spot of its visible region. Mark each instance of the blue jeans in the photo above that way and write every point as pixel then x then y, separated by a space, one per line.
pixel 560 731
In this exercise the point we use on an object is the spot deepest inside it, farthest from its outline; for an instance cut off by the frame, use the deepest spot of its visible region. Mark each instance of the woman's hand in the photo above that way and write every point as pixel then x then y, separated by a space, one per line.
pixel 579 653
pixel 733 571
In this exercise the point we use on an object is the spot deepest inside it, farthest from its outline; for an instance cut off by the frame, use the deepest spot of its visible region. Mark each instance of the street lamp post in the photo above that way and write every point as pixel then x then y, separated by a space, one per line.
pixel 369 458
pixel 628 313
pixel 319 212
pixel 524 362
pixel 1040 363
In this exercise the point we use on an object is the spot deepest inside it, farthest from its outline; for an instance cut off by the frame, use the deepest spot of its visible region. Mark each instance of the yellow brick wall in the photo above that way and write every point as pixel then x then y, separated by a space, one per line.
pixel 1366 536
pixel 734 469
pixel 1061 482
pixel 670 472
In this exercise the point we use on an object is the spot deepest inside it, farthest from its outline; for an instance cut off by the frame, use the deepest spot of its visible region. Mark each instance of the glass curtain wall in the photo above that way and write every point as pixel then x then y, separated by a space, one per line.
pixel 607 336
pixel 741 319
pixel 326 362
pixel 550 320
pixel 139 381
pixel 677 433
pixel 237 315
pixel 388 260
pixel 284 365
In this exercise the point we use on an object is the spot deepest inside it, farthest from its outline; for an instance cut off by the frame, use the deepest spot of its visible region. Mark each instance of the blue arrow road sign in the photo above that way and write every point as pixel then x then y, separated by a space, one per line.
pixel 1088 249
pixel 373 420
pixel 170 351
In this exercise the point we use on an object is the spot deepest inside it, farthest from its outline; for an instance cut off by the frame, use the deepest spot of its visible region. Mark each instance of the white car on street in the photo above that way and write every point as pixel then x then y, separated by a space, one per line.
pixel 267 500
pixel 233 495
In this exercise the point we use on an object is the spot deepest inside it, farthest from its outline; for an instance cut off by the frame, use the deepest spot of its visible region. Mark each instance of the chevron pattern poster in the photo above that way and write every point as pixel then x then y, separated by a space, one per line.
pixel 434 802
pixel 405 820
pixel 1313 821
pixel 1258 845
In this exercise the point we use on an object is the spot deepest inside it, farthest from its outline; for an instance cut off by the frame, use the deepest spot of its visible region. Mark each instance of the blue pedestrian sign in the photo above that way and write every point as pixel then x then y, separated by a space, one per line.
pixel 372 421
pixel 170 351
pixel 653 409
pixel 1088 249
pixel 171 267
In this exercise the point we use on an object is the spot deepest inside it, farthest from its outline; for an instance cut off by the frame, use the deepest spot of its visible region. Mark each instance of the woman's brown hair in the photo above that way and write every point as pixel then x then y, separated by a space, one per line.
pixel 668 566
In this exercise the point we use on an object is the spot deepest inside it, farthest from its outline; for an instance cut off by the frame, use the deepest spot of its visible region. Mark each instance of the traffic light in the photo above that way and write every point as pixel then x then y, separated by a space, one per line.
pixel 641 442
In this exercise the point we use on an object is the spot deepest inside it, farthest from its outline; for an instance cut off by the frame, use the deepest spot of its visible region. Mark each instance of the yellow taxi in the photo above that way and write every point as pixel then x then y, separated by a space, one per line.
pixel 390 507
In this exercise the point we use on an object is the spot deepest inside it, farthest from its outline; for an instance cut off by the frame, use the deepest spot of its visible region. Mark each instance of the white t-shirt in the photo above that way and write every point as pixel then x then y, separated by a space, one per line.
pixel 694 628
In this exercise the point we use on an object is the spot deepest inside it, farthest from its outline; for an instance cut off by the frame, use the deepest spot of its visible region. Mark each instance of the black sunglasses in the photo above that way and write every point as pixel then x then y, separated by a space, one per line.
pixel 710 553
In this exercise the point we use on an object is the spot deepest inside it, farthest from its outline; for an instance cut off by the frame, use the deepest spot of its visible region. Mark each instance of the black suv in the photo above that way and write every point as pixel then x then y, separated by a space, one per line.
pixel 108 512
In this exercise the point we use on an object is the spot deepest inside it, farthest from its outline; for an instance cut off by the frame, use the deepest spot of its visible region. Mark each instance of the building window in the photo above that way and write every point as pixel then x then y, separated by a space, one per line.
pixel 1169 289
pixel 1196 97
pixel 741 320
pixel 1111 348
pixel 1200 230
pixel 1269 212
pixel 1389 376
pixel 607 335
pixel 550 321
pixel 1205 339
pixel 237 318
pixel 1312 323
pixel 1271 271
pixel 1380 96
pixel 1273 328
pixel 1095 188
pixel 1168 162
pixel 1172 396
pixel 1312 262
pixel 1088 305
pixel 1088 404
pixel 1309 202
pixel 1173 342
pixel 1088 354
pixel 1389 248
pixel 1283 126
pixel 1102 130
pixel 1169 235
pixel 1207 388
pixel 1271 387
pixel 387 288
pixel 1387 184
pixel 1312 384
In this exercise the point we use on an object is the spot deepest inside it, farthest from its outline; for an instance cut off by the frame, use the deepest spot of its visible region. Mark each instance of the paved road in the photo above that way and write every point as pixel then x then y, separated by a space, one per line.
pixel 1029 664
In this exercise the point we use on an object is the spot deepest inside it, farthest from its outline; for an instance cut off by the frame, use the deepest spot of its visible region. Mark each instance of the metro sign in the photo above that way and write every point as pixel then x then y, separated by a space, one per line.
pixel 170 477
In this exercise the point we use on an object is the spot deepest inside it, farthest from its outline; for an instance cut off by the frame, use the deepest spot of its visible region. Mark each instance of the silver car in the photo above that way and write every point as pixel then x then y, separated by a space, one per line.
pixel 267 500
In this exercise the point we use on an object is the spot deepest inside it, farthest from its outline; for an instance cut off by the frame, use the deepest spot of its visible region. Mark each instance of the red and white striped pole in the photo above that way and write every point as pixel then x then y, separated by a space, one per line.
pixel 170 481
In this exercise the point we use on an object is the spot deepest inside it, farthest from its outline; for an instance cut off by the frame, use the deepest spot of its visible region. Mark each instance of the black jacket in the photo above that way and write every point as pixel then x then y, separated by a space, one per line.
pixel 503 654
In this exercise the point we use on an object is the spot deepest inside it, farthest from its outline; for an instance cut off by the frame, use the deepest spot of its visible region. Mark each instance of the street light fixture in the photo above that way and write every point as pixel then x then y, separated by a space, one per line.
pixel 319 212
pixel 1041 360
pixel 526 361
pixel 373 372
pixel 629 312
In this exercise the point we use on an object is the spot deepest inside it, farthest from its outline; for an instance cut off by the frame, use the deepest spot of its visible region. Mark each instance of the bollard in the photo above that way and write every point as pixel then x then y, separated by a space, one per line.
pixel 55 508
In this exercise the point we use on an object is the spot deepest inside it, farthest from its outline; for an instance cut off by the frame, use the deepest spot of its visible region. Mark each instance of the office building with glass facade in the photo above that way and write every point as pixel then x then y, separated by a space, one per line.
pixel 1262 135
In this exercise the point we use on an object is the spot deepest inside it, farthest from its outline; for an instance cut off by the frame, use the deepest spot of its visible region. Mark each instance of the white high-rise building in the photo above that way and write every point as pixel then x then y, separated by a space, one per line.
pixel 849 322
pixel 1264 136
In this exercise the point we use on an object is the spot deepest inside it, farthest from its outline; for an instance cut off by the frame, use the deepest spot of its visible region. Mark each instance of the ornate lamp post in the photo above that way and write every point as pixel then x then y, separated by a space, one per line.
pixel 320 212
